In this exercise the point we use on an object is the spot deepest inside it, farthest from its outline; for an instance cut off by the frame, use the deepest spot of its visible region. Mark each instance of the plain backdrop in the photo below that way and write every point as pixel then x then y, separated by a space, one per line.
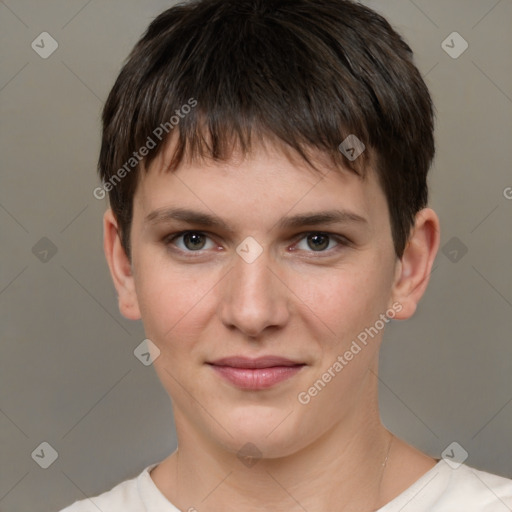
pixel 68 374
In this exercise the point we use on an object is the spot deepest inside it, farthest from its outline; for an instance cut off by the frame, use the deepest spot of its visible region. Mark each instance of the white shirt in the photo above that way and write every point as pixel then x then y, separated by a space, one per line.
pixel 441 489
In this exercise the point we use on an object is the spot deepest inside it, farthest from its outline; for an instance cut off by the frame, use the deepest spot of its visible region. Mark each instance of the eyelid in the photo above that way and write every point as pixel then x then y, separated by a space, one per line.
pixel 342 240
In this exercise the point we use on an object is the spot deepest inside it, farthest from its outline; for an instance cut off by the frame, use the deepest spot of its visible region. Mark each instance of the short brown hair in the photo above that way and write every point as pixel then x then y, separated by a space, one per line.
pixel 304 73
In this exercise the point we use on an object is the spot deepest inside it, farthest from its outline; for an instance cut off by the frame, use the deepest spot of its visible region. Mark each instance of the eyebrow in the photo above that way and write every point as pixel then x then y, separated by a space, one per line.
pixel 163 215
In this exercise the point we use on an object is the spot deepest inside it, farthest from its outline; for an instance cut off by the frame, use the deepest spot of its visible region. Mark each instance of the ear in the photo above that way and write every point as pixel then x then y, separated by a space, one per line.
pixel 120 267
pixel 414 268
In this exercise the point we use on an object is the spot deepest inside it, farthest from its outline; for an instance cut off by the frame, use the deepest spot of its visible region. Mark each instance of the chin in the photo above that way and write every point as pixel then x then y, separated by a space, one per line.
pixel 263 432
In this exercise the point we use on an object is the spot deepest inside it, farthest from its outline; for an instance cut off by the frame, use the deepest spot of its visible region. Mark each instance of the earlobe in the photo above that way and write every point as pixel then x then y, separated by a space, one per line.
pixel 120 267
pixel 415 266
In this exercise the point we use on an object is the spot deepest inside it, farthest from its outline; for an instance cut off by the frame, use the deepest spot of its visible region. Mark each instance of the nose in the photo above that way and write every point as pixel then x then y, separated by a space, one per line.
pixel 254 297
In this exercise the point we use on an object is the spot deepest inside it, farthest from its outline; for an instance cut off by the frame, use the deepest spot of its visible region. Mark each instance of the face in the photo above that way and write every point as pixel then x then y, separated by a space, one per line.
pixel 258 285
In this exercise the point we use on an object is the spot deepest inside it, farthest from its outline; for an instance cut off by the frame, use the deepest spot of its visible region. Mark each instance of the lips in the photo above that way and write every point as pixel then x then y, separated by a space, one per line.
pixel 256 374
pixel 259 362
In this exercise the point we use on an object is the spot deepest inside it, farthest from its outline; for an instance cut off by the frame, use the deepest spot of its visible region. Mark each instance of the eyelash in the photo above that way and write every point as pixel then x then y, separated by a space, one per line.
pixel 342 241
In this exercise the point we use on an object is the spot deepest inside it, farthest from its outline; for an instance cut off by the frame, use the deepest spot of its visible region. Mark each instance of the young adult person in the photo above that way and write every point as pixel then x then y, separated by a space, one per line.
pixel 266 164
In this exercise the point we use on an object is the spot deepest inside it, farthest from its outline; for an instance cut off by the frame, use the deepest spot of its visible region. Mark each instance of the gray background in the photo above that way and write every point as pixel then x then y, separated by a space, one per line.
pixel 68 373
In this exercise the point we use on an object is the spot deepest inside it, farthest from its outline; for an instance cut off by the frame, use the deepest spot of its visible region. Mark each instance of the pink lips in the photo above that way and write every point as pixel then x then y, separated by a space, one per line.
pixel 254 374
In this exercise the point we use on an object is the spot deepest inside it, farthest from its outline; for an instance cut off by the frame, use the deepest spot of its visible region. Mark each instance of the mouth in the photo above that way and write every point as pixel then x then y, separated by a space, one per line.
pixel 255 374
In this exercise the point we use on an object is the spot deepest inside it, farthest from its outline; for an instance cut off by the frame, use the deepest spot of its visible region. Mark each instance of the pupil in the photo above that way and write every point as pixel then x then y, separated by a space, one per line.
pixel 196 240
pixel 316 238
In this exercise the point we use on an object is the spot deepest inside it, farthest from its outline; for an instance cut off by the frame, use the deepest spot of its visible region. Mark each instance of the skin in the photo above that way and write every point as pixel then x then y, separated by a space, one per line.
pixel 293 301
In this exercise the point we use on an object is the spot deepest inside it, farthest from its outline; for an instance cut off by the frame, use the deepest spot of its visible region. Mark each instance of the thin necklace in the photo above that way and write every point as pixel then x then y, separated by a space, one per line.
pixel 387 455
pixel 384 470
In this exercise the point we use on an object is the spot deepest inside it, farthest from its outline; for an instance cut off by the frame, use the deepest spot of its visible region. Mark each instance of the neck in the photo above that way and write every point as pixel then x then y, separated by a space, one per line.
pixel 341 470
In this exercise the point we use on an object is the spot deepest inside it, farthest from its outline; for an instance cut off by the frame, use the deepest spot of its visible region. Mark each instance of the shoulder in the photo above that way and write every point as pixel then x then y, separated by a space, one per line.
pixel 446 488
pixel 478 490
pixel 123 497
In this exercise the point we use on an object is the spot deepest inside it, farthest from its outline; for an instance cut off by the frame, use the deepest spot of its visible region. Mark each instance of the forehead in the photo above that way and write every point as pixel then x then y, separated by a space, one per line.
pixel 260 185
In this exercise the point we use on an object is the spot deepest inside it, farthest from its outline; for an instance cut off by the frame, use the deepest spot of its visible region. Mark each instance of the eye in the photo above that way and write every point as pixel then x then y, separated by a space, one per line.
pixel 196 241
pixel 193 241
pixel 320 242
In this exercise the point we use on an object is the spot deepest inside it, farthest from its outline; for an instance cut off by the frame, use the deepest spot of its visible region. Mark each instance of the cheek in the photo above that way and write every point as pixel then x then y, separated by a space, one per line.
pixel 342 301
pixel 335 303
pixel 170 302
